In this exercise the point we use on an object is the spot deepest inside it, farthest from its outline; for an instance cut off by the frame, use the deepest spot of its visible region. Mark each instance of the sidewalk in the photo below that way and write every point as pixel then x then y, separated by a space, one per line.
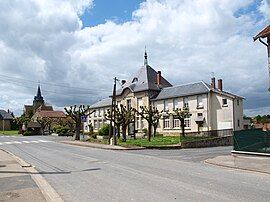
pixel 15 183
pixel 243 162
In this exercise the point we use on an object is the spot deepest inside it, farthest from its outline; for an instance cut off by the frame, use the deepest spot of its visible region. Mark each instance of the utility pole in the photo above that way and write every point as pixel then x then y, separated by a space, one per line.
pixel 112 133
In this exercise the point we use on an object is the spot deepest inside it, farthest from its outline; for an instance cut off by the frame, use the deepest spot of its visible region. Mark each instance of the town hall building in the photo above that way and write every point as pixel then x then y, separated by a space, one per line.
pixel 211 108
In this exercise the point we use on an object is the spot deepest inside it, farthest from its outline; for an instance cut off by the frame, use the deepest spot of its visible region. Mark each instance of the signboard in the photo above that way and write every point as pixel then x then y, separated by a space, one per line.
pixel 83 118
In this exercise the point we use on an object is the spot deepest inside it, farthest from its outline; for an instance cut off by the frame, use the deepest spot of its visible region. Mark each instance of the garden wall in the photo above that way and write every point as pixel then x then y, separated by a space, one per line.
pixel 213 142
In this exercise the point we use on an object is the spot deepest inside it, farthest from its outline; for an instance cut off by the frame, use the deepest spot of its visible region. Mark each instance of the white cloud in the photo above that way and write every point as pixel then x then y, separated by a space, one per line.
pixel 187 40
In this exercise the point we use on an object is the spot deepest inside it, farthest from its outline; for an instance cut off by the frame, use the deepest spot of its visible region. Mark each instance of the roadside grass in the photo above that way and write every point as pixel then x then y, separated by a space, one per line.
pixel 9 132
pixel 158 141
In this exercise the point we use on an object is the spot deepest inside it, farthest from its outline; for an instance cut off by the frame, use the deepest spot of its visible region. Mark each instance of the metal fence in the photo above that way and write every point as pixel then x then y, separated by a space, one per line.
pixel 211 133
pixel 253 140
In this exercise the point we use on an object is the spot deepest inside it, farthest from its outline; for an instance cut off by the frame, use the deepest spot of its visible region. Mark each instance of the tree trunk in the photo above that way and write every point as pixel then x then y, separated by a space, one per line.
pixel 149 131
pixel 155 131
pixel 124 131
pixel 118 131
pixel 183 128
pixel 77 132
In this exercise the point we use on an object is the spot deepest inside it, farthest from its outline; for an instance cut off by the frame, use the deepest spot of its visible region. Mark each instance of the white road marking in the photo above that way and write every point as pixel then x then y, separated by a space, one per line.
pixel 17 142
pixel 44 141
pixel 26 142
pixel 7 142
pixel 1 143
pixel 34 141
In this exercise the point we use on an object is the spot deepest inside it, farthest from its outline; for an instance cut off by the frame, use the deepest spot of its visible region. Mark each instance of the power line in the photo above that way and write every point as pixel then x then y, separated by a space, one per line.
pixel 49 83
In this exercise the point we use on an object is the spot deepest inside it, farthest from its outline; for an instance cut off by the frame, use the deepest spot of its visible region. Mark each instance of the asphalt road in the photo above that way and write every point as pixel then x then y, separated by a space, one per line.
pixel 88 174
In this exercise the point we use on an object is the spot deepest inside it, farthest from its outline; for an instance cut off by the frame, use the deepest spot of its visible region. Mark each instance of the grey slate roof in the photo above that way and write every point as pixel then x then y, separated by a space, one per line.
pixel 5 115
pixel 146 80
pixel 102 103
pixel 183 90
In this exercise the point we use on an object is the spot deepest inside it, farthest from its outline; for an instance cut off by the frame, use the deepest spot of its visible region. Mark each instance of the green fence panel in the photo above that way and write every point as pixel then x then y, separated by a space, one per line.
pixel 254 140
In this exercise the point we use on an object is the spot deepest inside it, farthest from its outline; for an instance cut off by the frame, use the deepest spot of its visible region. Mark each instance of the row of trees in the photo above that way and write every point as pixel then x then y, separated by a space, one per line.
pixel 122 117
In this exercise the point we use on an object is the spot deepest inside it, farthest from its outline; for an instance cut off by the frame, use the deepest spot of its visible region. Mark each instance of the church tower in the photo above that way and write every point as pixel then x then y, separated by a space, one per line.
pixel 38 99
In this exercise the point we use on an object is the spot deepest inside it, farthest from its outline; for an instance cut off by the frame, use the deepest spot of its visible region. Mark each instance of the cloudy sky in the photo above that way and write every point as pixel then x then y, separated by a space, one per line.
pixel 75 48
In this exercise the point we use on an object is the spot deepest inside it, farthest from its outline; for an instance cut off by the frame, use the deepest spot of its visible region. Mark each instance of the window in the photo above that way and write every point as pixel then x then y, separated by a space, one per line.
pixel 238 123
pixel 199 114
pixel 138 122
pixel 176 123
pixel 135 79
pixel 99 112
pixel 224 102
pixel 141 121
pixel 237 101
pixel 139 104
pixel 175 103
pixel 167 123
pixel 128 104
pixel 100 123
pixel 187 122
pixel 199 101
pixel 185 100
pixel 95 113
pixel 166 105
pixel 95 124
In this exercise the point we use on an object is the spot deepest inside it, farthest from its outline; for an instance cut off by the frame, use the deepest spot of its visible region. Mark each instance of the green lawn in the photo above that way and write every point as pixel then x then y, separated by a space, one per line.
pixel 9 132
pixel 157 141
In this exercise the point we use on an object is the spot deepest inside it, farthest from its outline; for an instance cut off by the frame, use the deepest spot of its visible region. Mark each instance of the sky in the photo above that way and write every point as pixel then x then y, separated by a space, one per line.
pixel 75 48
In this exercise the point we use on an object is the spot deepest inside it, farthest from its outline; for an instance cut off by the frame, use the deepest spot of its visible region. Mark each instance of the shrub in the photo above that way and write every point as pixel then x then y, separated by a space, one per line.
pixel 60 130
pixel 104 130
pixel 27 133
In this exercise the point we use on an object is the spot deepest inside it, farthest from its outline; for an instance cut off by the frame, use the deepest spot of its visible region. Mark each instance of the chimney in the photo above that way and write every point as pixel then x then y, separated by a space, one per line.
pixel 220 86
pixel 158 77
pixel 213 82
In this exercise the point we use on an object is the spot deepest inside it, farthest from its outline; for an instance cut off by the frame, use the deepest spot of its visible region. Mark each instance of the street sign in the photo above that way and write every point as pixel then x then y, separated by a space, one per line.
pixel 83 118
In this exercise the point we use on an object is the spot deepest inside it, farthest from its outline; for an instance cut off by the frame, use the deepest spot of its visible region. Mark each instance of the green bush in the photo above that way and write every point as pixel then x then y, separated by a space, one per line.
pixel 104 130
pixel 27 133
pixel 60 130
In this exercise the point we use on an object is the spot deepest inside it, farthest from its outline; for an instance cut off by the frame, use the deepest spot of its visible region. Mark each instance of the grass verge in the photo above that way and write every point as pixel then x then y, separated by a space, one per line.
pixel 9 132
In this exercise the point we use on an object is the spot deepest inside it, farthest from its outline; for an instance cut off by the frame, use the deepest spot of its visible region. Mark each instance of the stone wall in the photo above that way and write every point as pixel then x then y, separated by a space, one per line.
pixel 213 142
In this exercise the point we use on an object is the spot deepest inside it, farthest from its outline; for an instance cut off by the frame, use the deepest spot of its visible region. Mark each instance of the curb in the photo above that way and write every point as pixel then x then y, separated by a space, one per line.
pixel 250 153
pixel 100 147
pixel 46 189
pixel 233 167
pixel 124 148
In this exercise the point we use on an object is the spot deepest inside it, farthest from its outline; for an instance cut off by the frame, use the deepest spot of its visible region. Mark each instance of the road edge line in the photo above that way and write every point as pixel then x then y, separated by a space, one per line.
pixel 46 189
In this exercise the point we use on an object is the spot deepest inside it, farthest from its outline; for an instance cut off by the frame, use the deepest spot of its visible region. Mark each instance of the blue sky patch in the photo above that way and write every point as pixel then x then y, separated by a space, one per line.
pixel 118 11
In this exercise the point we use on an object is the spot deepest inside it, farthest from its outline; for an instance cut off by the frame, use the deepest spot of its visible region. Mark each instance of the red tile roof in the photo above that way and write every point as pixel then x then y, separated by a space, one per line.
pixel 264 33
pixel 51 114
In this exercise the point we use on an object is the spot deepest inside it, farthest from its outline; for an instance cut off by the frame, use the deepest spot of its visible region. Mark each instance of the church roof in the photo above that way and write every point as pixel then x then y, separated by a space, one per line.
pixel 51 114
pixel 143 80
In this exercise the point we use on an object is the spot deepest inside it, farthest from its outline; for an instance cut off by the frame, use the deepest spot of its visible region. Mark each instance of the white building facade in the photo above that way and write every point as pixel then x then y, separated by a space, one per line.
pixel 211 108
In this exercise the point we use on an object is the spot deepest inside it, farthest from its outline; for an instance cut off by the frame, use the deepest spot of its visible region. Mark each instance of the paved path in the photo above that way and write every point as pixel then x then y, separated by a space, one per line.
pixel 90 174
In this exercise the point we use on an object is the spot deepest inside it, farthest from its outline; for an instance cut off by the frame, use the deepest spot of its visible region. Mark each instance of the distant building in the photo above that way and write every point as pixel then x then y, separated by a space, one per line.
pixel 5 120
pixel 38 103
pixel 40 110
pixel 210 106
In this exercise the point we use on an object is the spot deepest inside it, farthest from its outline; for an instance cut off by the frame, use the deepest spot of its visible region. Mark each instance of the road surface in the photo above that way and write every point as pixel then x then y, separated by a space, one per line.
pixel 88 174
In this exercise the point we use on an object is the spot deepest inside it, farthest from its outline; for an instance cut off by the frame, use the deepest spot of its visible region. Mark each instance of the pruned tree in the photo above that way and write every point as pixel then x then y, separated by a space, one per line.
pixel 22 120
pixel 156 119
pixel 127 115
pixel 123 117
pixel 76 112
pixel 116 118
pixel 150 114
pixel 182 115
pixel 44 122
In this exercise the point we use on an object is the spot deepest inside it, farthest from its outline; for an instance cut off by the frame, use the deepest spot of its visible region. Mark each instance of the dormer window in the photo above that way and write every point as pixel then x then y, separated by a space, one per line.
pixel 135 79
